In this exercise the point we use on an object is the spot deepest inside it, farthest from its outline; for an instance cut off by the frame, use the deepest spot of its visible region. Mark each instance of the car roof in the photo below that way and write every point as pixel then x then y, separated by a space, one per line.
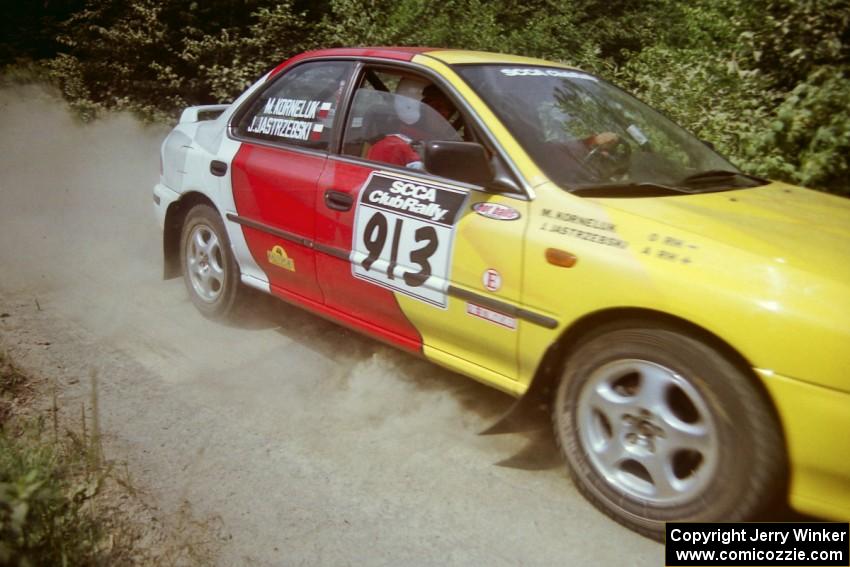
pixel 462 56
pixel 449 56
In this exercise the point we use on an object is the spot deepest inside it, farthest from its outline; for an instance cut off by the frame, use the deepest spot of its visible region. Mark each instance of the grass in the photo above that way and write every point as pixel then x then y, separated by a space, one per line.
pixel 63 504
pixel 47 512
pixel 13 385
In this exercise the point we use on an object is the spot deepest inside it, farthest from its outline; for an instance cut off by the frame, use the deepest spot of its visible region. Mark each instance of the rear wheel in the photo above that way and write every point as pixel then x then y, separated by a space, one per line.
pixel 209 269
pixel 657 426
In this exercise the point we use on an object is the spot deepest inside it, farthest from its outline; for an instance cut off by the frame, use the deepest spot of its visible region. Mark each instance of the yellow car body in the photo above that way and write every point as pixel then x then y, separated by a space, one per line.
pixel 766 270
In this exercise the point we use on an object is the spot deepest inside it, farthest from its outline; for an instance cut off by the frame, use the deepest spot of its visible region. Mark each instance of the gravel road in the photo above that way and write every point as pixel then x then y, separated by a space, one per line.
pixel 305 443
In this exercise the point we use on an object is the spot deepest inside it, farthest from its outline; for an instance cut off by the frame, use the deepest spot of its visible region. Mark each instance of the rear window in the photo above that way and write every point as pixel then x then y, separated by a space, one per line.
pixel 299 107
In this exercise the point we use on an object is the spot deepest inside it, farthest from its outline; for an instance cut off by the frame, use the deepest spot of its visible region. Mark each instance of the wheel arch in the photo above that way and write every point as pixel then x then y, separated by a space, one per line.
pixel 552 365
pixel 175 216
pixel 624 316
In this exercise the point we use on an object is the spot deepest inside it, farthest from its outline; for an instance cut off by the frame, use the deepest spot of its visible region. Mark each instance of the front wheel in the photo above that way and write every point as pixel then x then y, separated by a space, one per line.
pixel 657 426
pixel 209 268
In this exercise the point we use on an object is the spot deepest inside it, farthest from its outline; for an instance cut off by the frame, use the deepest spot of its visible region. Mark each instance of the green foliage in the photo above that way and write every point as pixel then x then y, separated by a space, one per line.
pixel 538 28
pixel 789 40
pixel 155 57
pixel 704 92
pixel 766 81
pixel 226 64
pixel 43 497
pixel 46 486
pixel 63 504
pixel 808 140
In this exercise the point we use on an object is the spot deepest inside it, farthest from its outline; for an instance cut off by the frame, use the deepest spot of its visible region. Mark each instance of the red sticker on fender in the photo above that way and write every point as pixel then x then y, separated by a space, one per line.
pixel 492 316
pixel 496 211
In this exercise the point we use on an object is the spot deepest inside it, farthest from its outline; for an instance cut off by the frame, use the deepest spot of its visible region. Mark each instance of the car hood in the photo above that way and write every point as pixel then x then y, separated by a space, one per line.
pixel 804 229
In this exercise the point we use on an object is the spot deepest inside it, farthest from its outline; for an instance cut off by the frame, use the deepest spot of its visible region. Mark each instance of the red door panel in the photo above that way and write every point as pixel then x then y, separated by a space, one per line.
pixel 277 188
pixel 342 291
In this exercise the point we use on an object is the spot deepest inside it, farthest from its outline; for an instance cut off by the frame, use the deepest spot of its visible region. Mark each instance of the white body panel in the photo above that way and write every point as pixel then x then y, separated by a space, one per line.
pixel 186 155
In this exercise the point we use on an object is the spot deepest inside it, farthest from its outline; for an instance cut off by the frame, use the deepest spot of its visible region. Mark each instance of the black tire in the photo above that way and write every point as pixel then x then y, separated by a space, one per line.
pixel 730 478
pixel 224 286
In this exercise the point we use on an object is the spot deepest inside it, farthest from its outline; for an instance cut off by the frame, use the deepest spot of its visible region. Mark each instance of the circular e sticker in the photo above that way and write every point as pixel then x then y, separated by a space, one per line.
pixel 492 280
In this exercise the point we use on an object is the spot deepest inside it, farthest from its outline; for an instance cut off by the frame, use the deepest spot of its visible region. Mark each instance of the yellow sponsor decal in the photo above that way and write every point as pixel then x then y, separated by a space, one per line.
pixel 277 257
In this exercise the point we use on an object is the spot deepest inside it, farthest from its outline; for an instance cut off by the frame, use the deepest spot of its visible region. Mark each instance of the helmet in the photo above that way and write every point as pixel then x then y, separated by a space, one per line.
pixel 406 102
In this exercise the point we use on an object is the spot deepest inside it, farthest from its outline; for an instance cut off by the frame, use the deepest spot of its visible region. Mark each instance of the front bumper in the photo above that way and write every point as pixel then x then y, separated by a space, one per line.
pixel 816 421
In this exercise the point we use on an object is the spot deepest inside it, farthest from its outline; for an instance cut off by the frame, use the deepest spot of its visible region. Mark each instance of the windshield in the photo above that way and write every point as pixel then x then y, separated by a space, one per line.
pixel 583 132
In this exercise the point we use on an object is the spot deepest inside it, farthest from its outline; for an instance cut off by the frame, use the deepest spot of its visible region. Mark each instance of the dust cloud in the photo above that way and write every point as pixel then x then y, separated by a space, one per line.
pixel 79 235
pixel 311 443
pixel 75 200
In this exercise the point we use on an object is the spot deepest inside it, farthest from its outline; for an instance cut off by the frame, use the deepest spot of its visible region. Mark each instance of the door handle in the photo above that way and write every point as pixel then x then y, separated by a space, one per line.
pixel 337 200
pixel 218 168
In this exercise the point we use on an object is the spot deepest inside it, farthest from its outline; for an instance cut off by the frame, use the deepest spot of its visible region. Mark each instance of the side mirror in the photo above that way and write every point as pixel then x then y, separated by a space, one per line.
pixel 463 161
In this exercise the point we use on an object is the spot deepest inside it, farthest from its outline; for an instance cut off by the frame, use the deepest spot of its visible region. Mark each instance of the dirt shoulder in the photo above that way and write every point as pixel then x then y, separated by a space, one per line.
pixel 71 495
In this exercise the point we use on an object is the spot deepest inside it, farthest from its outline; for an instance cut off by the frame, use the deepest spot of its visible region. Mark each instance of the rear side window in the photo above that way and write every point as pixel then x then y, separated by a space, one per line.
pixel 299 107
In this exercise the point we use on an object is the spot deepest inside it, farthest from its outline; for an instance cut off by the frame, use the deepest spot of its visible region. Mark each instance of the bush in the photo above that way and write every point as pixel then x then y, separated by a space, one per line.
pixel 43 497
pixel 63 504
pixel 155 57
pixel 808 141
pixel 766 80
pixel 704 92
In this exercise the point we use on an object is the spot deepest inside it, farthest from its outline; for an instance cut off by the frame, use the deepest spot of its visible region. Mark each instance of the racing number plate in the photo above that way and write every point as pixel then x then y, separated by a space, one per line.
pixel 403 233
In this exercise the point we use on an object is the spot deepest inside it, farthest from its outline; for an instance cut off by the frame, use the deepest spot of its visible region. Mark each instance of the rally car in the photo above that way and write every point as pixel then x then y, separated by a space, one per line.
pixel 535 228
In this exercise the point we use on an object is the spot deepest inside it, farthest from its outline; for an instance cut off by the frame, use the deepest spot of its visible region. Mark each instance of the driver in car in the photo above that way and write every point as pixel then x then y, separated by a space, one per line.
pixel 605 153
pixel 397 148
